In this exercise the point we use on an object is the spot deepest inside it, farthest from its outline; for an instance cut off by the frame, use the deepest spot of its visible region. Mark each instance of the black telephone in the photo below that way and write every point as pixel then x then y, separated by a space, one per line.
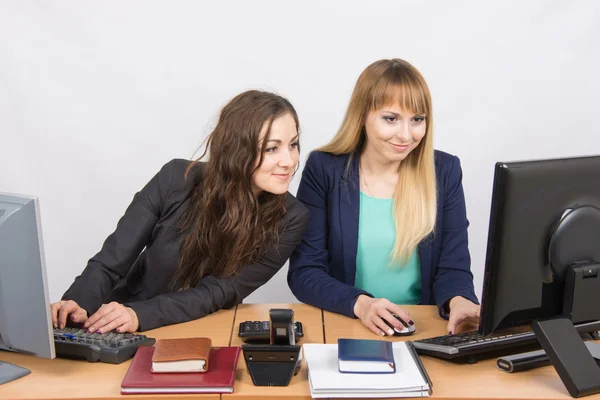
pixel 278 357
pixel 259 332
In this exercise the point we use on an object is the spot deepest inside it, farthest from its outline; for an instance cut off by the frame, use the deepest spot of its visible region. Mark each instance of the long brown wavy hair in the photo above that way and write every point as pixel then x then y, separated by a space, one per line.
pixel 226 225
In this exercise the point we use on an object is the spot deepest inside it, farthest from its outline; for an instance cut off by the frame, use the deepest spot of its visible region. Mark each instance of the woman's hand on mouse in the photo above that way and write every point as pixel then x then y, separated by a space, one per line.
pixel 61 310
pixel 113 316
pixel 372 313
pixel 462 310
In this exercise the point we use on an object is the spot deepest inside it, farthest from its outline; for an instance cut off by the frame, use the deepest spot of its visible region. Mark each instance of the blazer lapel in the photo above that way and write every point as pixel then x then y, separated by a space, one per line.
pixel 424 249
pixel 349 212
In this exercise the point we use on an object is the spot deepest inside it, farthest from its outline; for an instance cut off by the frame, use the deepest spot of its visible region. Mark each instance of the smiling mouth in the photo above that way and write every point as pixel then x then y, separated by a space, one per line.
pixel 399 146
pixel 281 176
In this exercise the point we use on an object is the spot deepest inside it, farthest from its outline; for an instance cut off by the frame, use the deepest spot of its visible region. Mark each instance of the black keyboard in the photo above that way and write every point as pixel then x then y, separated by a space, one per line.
pixel 109 347
pixel 472 346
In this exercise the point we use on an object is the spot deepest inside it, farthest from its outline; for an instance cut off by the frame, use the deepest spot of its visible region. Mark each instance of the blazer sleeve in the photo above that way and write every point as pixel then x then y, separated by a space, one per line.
pixel 123 246
pixel 453 275
pixel 309 273
pixel 212 293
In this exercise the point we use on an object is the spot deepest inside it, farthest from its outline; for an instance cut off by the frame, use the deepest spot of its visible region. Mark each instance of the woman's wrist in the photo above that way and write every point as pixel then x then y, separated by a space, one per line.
pixel 454 300
pixel 358 304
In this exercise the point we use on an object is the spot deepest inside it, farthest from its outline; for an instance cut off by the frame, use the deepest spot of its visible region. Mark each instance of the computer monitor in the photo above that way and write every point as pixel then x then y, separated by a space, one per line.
pixel 25 321
pixel 545 217
pixel 543 254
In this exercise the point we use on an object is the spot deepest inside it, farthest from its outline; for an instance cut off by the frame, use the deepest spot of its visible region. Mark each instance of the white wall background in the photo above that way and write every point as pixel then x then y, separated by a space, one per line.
pixel 96 96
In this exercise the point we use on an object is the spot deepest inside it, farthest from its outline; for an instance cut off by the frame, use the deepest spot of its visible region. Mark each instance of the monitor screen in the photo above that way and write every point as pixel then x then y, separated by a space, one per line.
pixel 531 232
pixel 25 322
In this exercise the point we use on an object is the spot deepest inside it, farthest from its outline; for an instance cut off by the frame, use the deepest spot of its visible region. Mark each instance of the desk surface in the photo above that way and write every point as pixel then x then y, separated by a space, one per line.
pixel 69 379
pixel 312 323
pixel 459 381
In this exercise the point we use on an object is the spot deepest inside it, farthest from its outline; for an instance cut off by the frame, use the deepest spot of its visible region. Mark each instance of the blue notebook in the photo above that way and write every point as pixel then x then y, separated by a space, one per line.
pixel 365 356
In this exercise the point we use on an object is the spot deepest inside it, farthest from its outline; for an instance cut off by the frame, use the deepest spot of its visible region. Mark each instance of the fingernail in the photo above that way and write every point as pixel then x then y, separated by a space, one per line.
pixel 62 326
pixel 55 325
pixel 85 325
pixel 390 332
pixel 91 329
pixel 382 333
pixel 99 331
pixel 72 317
pixel 410 322
pixel 119 330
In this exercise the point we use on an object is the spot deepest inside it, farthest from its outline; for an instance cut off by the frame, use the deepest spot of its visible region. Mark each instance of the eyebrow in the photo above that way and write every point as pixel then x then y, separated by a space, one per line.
pixel 395 114
pixel 279 141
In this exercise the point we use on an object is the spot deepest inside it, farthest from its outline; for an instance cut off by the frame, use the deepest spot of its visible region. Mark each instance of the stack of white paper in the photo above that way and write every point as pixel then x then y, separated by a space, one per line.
pixel 326 380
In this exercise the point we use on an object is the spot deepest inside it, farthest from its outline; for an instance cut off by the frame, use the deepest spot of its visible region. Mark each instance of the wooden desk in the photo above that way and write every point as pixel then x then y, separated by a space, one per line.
pixel 69 379
pixel 312 323
pixel 459 381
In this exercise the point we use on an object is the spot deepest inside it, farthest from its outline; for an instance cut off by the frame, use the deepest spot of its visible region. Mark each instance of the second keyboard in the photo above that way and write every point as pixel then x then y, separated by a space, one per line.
pixel 109 347
pixel 472 346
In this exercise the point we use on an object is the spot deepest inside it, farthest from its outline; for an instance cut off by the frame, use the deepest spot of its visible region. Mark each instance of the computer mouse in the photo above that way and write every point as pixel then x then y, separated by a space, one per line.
pixel 406 328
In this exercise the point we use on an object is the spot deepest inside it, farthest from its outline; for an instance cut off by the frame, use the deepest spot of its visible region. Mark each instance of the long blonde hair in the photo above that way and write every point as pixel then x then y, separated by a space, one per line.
pixel 387 83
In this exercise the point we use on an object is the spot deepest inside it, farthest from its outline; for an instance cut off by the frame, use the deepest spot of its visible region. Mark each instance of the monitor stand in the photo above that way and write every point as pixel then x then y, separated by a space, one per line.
pixel 569 355
pixel 559 338
pixel 10 372
pixel 574 259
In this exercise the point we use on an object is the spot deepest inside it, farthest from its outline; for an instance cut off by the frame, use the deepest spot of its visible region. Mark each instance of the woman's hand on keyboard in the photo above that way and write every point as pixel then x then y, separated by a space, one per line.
pixel 112 316
pixel 372 313
pixel 61 310
pixel 462 310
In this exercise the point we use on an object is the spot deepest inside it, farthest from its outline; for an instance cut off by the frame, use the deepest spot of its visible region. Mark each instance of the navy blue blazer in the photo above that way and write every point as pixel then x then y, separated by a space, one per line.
pixel 323 266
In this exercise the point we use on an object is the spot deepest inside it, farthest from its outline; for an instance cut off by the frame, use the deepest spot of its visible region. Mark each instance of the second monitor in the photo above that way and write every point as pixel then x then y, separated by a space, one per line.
pixel 542 254
pixel 544 228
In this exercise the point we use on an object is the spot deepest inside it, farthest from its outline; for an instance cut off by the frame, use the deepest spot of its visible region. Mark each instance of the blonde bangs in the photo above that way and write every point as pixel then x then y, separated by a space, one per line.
pixel 406 92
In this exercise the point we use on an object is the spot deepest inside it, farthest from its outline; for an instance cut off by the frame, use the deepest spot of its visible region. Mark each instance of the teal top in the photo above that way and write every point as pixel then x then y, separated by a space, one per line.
pixel 375 271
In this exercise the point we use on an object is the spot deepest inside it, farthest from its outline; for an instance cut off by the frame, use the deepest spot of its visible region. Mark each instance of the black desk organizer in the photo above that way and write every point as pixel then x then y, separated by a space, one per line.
pixel 274 364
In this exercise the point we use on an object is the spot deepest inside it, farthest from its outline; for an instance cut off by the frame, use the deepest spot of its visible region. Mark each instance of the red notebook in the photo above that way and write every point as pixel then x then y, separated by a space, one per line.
pixel 219 378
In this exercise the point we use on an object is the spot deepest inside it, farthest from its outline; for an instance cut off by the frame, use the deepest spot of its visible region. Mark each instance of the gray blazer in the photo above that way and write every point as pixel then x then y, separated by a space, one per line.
pixel 136 262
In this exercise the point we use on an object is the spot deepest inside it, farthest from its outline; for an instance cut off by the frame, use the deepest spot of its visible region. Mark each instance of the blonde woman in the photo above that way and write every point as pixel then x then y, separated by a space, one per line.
pixel 387 222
